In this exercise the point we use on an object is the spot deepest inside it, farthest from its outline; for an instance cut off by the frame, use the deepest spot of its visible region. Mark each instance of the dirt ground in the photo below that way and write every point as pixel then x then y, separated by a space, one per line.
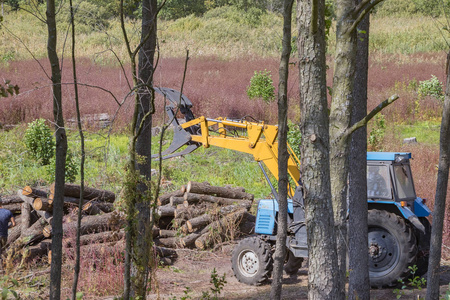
pixel 193 269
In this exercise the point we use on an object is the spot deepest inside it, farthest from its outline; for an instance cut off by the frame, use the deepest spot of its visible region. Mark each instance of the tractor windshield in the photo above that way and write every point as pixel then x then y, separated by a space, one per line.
pixel 403 180
pixel 378 183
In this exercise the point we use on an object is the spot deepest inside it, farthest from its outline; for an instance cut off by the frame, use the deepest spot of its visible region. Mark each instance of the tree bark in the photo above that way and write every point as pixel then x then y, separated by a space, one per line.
pixel 96 238
pixel 165 199
pixel 441 194
pixel 359 285
pixel 33 192
pixel 166 211
pixel 96 207
pixel 73 190
pixel 225 192
pixel 48 217
pixel 283 155
pixel 25 216
pixel 323 281
pixel 195 198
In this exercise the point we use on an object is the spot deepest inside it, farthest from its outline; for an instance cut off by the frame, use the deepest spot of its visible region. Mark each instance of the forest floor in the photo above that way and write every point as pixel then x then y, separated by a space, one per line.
pixel 192 270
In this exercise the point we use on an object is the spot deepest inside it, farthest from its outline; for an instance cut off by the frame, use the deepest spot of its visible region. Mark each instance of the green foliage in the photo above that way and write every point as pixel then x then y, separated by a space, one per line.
pixel 447 294
pixel 431 87
pixel 261 86
pixel 251 16
pixel 8 89
pixel 39 141
pixel 377 133
pixel 218 282
pixel 294 137
pixel 175 9
pixel 7 283
pixel 416 282
pixel 432 8
pixel 72 165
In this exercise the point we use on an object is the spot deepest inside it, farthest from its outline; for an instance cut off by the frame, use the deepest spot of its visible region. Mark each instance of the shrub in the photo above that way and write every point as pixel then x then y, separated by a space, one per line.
pixel 261 86
pixel 71 171
pixel 294 137
pixel 431 87
pixel 376 135
pixel 39 141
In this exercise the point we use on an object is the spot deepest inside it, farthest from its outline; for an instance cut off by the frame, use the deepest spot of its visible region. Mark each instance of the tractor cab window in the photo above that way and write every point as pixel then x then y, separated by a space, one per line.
pixel 378 183
pixel 403 180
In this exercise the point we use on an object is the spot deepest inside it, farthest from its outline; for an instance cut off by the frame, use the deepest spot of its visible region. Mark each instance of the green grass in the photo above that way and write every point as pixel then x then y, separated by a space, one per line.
pixel 224 33
pixel 426 132
pixel 107 156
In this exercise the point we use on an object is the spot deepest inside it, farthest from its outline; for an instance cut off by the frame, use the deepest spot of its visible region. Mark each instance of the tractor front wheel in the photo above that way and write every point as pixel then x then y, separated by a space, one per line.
pixel 392 248
pixel 252 261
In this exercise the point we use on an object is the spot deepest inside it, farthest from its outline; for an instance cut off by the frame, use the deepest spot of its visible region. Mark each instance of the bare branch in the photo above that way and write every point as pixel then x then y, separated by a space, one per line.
pixel 372 114
pixel 362 10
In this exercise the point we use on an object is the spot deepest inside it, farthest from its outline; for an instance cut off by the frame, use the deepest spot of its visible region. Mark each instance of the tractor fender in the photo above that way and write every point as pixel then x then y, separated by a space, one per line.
pixel 392 206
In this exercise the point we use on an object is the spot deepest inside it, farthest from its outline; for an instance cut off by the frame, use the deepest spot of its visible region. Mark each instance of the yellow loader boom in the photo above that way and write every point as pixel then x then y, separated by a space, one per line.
pixel 255 138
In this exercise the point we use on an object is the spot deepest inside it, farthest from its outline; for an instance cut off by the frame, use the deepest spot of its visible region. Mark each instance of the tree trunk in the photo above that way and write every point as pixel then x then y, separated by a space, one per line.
pixel 166 211
pixel 441 194
pixel 323 281
pixel 48 217
pixel 96 207
pixel 359 285
pixel 96 238
pixel 225 192
pixel 283 155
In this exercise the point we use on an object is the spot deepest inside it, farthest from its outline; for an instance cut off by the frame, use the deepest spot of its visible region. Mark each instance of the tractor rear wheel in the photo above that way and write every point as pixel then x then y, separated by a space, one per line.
pixel 392 248
pixel 251 261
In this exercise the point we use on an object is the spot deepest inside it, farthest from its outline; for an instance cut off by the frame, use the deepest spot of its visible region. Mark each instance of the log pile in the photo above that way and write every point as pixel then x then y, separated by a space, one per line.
pixel 201 216
pixel 197 215
pixel 101 226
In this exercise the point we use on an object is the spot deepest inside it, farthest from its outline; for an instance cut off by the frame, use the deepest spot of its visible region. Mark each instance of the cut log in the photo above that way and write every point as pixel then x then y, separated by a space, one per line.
pixel 166 211
pixel 165 198
pixel 164 233
pixel 205 219
pixel 225 192
pixel 42 204
pixel 33 253
pixel 191 211
pixel 11 199
pixel 177 223
pixel 47 231
pixel 95 238
pixel 174 201
pixel 33 234
pixel 14 233
pixel 69 202
pixel 164 252
pixel 93 224
pixel 199 222
pixel 15 208
pixel 97 207
pixel 34 192
pixel 170 242
pixel 218 230
pixel 26 216
pixel 73 190
pixel 43 214
pixel 191 198
pixel 189 240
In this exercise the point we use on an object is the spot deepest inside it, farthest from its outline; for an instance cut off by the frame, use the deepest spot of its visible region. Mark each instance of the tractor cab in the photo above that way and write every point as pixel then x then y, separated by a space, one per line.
pixel 390 182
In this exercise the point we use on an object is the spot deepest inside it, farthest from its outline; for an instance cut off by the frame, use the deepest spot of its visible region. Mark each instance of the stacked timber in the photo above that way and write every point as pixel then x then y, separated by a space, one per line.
pixel 200 215
pixel 101 227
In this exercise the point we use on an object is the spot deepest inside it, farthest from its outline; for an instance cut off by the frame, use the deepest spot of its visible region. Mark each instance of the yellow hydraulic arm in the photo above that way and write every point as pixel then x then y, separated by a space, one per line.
pixel 258 139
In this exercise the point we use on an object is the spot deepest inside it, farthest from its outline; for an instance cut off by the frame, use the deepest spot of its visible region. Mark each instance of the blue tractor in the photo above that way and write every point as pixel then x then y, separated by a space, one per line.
pixel 399 232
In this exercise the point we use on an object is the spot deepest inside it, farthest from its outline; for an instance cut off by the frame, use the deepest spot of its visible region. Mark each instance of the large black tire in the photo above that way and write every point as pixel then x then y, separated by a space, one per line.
pixel 392 248
pixel 293 264
pixel 252 261
pixel 423 243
